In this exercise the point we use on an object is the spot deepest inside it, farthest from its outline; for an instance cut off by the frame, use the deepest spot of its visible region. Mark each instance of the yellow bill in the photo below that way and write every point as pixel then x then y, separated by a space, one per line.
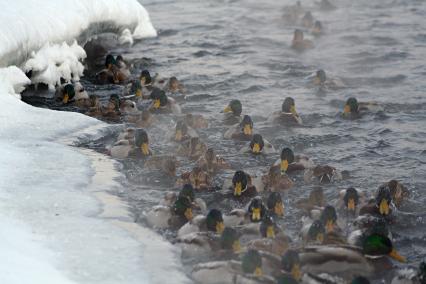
pixel 351 204
pixel 258 271
pixel 279 209
pixel 384 207
pixel 238 189
pixel 320 238
pixel 188 214
pixel 236 246
pixel 329 226
pixel 255 215
pixel 157 104
pixel 65 99
pixel 295 272
pixel 138 93
pixel 256 148
pixel 178 135
pixel 293 110
pixel 227 109
pixel 347 109
pixel 247 129
pixel 145 149
pixel 395 255
pixel 270 232
pixel 220 227
pixel 284 166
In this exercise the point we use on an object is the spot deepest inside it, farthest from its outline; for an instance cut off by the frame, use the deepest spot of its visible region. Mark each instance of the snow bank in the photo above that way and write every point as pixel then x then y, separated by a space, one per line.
pixel 27 25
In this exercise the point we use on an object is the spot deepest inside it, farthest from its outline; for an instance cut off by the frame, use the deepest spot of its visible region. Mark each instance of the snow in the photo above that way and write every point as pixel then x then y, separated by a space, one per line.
pixel 59 223
pixel 27 25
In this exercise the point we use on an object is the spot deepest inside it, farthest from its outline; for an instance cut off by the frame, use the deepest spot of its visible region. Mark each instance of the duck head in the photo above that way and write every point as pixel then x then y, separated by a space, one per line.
pixel 159 98
pixel 230 240
pixel 275 204
pixel 187 191
pixel 257 144
pixel 110 61
pixel 380 245
pixel 384 200
pixel 289 106
pixel 351 106
pixel 181 130
pixel 68 93
pixel 329 218
pixel 94 100
pixel 247 125
pixel 145 78
pixel 290 263
pixel 351 199
pixel 183 207
pixel 320 77
pixel 287 157
pixel 268 228
pixel 252 263
pixel 256 209
pixel 234 107
pixel 142 141
pixel 316 232
pixel 239 183
pixel 214 221
pixel 173 84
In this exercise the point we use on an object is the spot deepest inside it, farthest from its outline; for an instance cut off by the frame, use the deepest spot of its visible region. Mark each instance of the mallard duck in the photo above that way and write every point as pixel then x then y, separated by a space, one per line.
pixel 194 148
pixel 212 163
pixel 275 181
pixel 349 261
pixel 200 244
pixel 299 43
pixel 242 185
pixel 380 206
pixel 289 163
pixel 251 216
pixel 212 222
pixel 241 131
pixel 273 239
pixel 95 108
pixel 198 178
pixel 322 174
pixel 166 164
pixel 233 113
pixel 275 205
pixel 354 109
pixel 112 74
pixel 368 225
pixel 112 109
pixel 258 146
pixel 307 20
pixel 125 148
pixel 65 94
pixel 313 233
pixel 321 80
pixel 174 216
pixel 315 200
pixel 350 200
pixel 288 115
pixel 183 132
pixel 398 192
pixel 248 270
pixel 162 104
pixel 195 121
pixel 175 89
pixel 317 29
pixel 188 192
pixel 290 263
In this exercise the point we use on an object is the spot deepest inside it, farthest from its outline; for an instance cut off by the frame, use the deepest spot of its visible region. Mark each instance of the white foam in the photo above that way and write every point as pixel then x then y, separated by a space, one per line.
pixel 27 25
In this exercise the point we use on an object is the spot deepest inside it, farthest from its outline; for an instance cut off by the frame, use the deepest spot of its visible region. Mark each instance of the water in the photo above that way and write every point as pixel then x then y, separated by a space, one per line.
pixel 239 49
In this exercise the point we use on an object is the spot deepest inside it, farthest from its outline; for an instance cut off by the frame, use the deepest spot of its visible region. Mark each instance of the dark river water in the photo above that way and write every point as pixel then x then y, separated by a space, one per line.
pixel 223 50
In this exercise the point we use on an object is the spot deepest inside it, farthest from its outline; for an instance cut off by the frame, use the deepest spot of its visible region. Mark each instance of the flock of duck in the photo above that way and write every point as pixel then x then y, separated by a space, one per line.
pixel 246 244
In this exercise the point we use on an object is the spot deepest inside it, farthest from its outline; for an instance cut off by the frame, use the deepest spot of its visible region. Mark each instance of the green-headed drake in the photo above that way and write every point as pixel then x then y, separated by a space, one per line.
pixel 233 112
pixel 289 163
pixel 354 109
pixel 163 104
pixel 241 131
pixel 212 222
pixel 258 145
pixel 275 205
pixel 174 216
pixel 288 115
pixel 241 185
pixel 299 43
pixel 381 205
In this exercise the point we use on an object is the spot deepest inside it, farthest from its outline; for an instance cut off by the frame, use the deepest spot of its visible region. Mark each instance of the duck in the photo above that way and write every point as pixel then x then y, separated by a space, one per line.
pixel 211 162
pixel 165 163
pixel 142 87
pixel 163 104
pixel 398 192
pixel 95 107
pixel 317 29
pixel 72 94
pixel 187 191
pixel 129 111
pixel 173 217
pixel 322 174
pixel 329 229
pixel 242 185
pixel 313 233
pixel 273 240
pixel 112 74
pixel 175 89
pixel 233 113
pixel 290 163
pixel 307 20
pixel 290 264
pixel 198 178
pixel 380 206
pixel 354 109
pixel 299 43
pixel 248 219
pixel 365 226
pixel 241 131
pixel 248 270
pixel 321 80
pixel 288 115
pixel 200 244
pixel 195 121
pixel 125 148
pixel 258 145
pixel 212 222
pixel 316 200
pixel 275 205
pixel 112 109
pixel 350 200
pixel 183 132
pixel 193 148
pixel 353 261
pixel 276 181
